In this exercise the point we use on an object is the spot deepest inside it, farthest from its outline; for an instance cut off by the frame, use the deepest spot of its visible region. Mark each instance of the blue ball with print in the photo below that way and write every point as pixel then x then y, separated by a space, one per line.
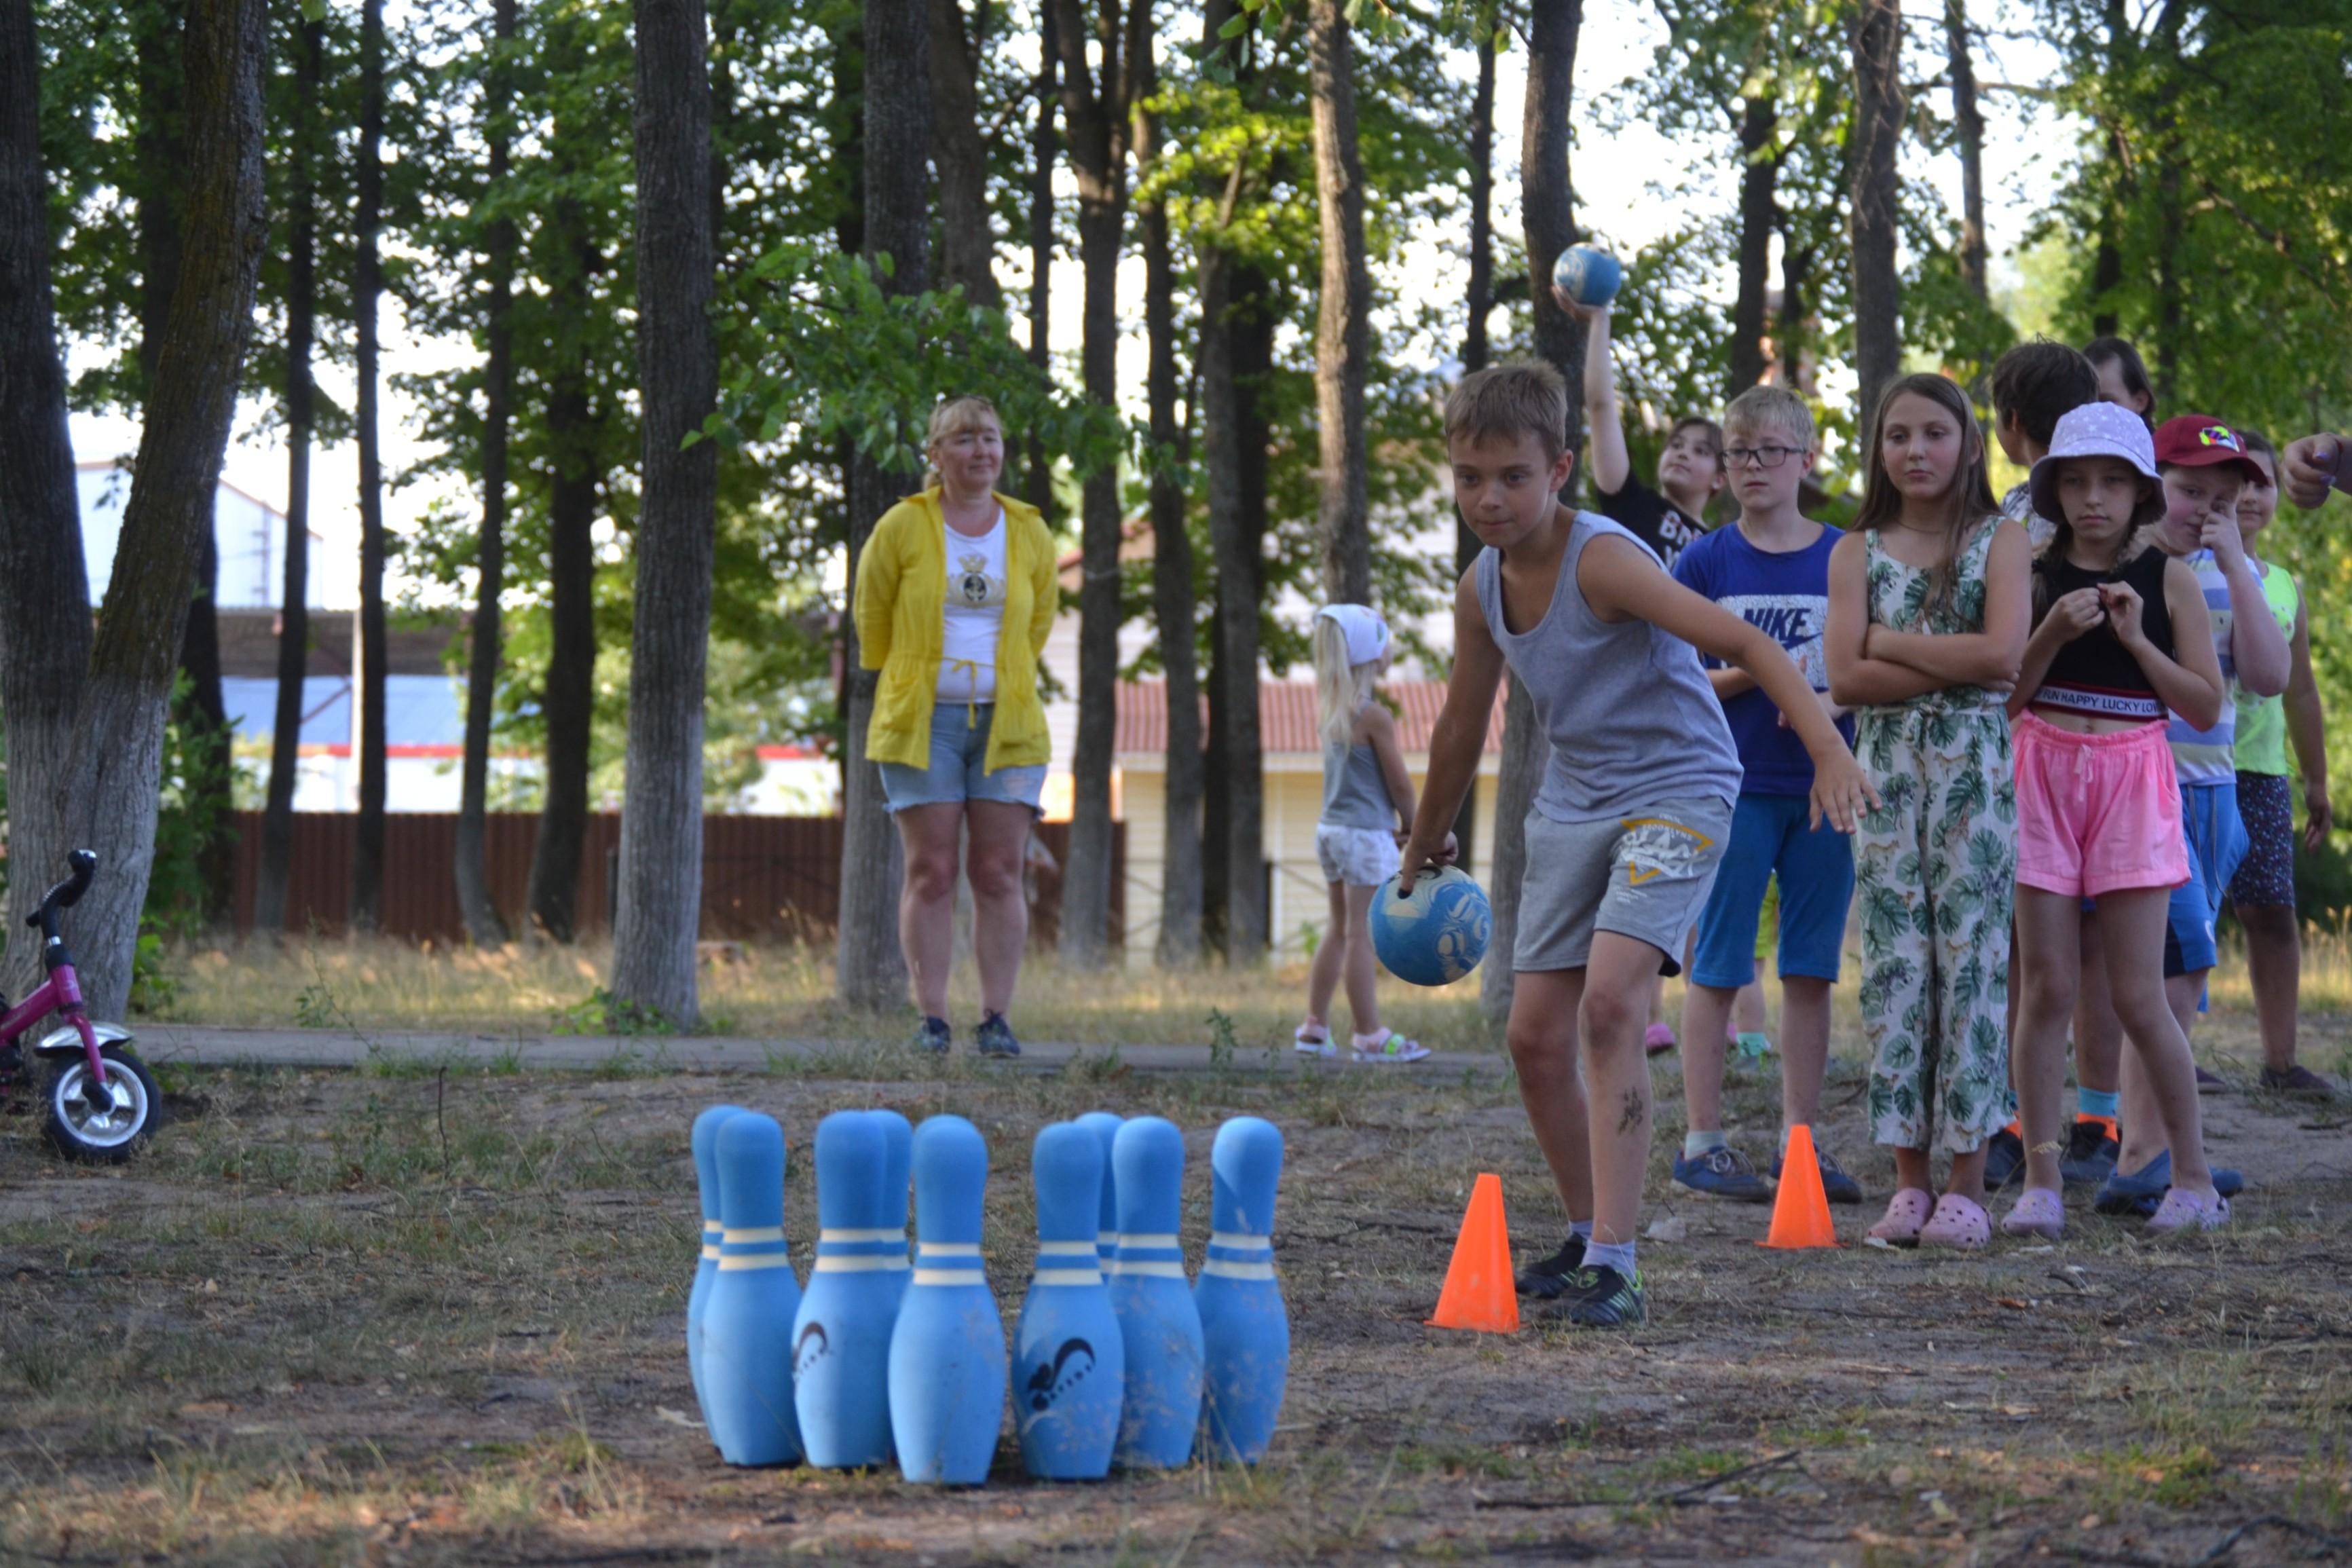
pixel 1587 275
pixel 1435 933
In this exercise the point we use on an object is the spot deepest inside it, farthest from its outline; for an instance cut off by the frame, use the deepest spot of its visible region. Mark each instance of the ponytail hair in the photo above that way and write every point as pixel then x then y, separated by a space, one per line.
pixel 951 419
pixel 1341 688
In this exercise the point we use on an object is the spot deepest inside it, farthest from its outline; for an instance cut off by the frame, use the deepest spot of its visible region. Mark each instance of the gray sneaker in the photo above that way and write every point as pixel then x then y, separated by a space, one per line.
pixel 994 1037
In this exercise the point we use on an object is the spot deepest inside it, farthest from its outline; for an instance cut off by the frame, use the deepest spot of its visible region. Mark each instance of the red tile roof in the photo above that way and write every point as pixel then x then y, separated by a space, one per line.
pixel 1285 715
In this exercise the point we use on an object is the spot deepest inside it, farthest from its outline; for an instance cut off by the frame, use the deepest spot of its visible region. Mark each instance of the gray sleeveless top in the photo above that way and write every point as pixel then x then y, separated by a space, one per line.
pixel 1631 719
pixel 1354 792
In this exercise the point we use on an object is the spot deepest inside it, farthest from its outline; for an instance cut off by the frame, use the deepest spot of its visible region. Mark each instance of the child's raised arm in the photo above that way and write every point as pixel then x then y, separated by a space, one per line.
pixel 1460 737
pixel 1603 424
pixel 2258 648
pixel 1379 730
pixel 1988 657
pixel 1856 679
pixel 2188 682
pixel 1621 583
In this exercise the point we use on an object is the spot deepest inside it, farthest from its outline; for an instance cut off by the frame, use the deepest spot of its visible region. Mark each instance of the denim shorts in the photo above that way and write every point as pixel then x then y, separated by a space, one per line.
pixel 2217 843
pixel 957 773
pixel 1769 833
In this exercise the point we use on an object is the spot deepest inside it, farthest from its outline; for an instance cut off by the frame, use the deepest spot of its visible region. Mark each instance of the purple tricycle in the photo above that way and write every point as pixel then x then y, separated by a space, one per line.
pixel 99 1098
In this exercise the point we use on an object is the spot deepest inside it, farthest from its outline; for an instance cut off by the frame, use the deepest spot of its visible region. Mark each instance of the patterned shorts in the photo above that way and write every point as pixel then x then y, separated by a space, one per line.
pixel 2266 876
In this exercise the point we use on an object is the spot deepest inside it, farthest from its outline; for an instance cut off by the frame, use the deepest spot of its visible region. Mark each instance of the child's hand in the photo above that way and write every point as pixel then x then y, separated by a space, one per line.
pixel 2220 536
pixel 2078 612
pixel 2313 465
pixel 1585 313
pixel 1841 792
pixel 2123 606
pixel 1415 862
pixel 2318 816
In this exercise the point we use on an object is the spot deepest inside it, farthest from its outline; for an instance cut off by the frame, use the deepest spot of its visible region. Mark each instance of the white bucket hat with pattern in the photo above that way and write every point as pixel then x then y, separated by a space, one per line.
pixel 2094 430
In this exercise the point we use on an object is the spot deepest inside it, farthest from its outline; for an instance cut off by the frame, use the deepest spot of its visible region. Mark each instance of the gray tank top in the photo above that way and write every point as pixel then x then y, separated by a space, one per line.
pixel 1631 719
pixel 1354 792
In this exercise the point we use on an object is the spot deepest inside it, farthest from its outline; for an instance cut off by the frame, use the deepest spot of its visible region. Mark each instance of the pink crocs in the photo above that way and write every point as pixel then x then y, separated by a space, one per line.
pixel 1959 1224
pixel 2038 1211
pixel 1905 1213
pixel 2184 1210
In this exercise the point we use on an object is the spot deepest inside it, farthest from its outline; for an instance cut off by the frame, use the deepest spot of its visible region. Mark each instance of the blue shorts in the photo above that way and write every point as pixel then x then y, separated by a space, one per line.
pixel 1768 833
pixel 2217 843
pixel 958 751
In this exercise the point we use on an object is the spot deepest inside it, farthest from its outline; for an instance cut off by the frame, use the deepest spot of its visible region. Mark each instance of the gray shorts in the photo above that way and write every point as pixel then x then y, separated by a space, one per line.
pixel 1645 875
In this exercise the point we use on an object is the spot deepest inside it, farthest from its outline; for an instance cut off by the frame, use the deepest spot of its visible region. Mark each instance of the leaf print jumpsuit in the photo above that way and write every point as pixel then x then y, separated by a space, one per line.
pixel 1935 875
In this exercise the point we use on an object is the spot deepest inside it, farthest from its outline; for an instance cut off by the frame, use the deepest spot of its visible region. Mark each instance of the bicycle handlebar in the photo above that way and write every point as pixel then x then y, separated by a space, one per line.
pixel 66 894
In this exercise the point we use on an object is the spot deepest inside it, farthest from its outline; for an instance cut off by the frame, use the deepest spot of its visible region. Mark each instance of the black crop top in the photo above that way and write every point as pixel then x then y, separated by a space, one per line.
pixel 2094 675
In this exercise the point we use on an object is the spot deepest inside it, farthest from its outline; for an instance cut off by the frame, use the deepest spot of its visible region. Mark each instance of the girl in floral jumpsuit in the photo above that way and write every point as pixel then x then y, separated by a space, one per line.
pixel 1930 599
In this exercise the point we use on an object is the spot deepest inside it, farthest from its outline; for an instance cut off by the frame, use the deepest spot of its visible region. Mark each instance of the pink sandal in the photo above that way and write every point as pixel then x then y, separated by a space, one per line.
pixel 2183 1210
pixel 1905 1213
pixel 1658 1040
pixel 2038 1211
pixel 1958 1224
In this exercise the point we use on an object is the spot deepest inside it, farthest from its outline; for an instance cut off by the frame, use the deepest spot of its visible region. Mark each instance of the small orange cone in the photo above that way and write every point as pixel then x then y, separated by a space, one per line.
pixel 1800 1215
pixel 1478 1291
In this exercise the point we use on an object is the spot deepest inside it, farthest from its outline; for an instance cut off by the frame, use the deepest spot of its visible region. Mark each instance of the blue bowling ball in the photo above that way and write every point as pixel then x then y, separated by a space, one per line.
pixel 1587 275
pixel 1438 933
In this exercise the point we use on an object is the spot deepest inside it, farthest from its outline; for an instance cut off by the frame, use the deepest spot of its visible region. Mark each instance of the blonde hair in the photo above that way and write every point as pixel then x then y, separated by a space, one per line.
pixel 953 418
pixel 1773 409
pixel 1508 401
pixel 1341 688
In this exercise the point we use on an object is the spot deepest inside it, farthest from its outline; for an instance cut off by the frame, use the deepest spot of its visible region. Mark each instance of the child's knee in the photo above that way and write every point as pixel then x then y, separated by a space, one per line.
pixel 1610 1014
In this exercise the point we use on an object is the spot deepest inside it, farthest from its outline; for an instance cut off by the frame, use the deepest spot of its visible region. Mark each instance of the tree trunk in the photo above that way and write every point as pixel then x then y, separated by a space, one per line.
pixel 1475 351
pixel 1342 310
pixel 1233 449
pixel 1877 127
pixel 110 792
pixel 1171 573
pixel 277 870
pixel 1044 156
pixel 1549 216
pixel 1791 333
pixel 569 704
pixel 1968 123
pixel 967 237
pixel 203 719
pixel 1759 175
pixel 45 630
pixel 677 543
pixel 871 968
pixel 471 868
pixel 368 683
pixel 1097 113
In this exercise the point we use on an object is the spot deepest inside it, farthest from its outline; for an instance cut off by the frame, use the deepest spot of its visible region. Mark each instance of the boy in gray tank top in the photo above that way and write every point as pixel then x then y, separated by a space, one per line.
pixel 1633 811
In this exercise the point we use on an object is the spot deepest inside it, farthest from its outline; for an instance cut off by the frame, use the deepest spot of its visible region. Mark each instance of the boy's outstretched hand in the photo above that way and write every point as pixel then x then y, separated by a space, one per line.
pixel 1413 863
pixel 1841 792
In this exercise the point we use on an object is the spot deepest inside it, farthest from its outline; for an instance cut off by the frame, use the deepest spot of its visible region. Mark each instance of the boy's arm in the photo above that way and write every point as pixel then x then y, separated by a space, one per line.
pixel 2257 648
pixel 1380 734
pixel 1988 657
pixel 2189 680
pixel 1729 683
pixel 2306 727
pixel 1459 739
pixel 1603 424
pixel 1856 679
pixel 1621 583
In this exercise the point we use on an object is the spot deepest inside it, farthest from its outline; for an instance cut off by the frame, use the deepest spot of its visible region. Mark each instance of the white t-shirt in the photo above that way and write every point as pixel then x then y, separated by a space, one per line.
pixel 975 615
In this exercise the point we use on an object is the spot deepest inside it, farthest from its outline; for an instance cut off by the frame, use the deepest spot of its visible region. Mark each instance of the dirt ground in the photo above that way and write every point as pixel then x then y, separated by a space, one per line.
pixel 348 1318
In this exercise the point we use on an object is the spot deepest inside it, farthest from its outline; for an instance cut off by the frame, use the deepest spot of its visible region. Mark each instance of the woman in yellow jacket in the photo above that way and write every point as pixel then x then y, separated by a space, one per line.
pixel 955 596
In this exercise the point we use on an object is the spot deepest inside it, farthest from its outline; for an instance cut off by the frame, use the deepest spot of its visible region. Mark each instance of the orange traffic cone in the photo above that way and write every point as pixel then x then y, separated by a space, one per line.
pixel 1800 1216
pixel 1478 1291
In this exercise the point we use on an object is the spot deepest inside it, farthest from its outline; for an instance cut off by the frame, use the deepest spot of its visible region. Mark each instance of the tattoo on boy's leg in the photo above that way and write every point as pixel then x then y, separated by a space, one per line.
pixel 1629 1117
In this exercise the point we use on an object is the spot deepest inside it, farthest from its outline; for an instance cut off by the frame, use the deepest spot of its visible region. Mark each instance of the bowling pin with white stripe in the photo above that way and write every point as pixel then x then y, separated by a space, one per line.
pixel 1069 1360
pixel 1244 1328
pixel 897 1166
pixel 1157 1318
pixel 947 1355
pixel 841 1339
pixel 1104 1127
pixel 705 1143
pixel 747 1358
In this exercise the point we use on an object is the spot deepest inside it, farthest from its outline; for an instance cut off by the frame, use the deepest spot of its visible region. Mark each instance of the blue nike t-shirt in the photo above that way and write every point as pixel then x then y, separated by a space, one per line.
pixel 1787 595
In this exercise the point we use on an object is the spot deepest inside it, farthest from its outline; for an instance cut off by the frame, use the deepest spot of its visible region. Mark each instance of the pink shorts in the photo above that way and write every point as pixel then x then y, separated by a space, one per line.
pixel 2096 814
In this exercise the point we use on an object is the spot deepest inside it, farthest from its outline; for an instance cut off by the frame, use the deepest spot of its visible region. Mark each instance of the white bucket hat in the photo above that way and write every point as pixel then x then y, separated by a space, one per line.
pixel 1367 633
pixel 2094 430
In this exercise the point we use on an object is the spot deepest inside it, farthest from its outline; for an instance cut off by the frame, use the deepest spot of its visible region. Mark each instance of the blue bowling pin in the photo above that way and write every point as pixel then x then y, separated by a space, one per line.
pixel 706 1268
pixel 1244 1328
pixel 747 1357
pixel 1156 1316
pixel 1069 1359
pixel 897 1166
pixel 1104 1127
pixel 947 1355
pixel 841 1340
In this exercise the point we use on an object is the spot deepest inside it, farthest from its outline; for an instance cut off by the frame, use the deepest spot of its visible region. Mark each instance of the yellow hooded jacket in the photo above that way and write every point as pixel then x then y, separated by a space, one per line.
pixel 901 608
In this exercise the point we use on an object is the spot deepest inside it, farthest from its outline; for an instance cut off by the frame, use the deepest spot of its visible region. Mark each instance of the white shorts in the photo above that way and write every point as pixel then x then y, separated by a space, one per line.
pixel 1359 857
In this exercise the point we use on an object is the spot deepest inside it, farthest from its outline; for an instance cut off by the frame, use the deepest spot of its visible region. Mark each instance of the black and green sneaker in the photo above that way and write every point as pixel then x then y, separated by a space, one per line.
pixel 994 1037
pixel 1600 1297
pixel 932 1035
pixel 1544 1281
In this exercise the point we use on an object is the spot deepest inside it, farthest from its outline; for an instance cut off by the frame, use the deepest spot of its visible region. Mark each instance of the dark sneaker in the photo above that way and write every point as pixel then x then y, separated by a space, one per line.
pixel 2139 1192
pixel 2299 1081
pixel 1723 1173
pixel 2090 1155
pixel 1836 1185
pixel 1603 1299
pixel 994 1037
pixel 1545 1281
pixel 933 1035
pixel 2004 1158
pixel 2212 1081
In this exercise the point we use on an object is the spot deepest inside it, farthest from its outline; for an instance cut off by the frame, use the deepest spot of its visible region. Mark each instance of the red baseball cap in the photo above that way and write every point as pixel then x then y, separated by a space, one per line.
pixel 2201 441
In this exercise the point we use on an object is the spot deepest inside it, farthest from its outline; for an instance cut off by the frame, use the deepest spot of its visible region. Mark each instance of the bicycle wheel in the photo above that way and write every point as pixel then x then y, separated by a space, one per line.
pixel 102 1125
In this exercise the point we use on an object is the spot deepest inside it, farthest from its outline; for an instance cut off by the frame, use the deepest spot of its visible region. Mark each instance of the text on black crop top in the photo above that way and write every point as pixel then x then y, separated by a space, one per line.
pixel 2095 675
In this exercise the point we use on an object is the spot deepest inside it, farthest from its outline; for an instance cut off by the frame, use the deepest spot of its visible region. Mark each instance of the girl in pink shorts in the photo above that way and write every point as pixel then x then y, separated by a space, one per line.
pixel 2098 806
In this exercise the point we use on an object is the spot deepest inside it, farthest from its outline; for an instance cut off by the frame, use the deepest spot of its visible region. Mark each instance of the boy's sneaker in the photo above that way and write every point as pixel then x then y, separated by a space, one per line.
pixel 2299 1081
pixel 2139 1192
pixel 1544 1281
pixel 933 1035
pixel 1723 1173
pixel 1603 1299
pixel 1836 1185
pixel 2212 1082
pixel 2090 1155
pixel 994 1037
pixel 2004 1158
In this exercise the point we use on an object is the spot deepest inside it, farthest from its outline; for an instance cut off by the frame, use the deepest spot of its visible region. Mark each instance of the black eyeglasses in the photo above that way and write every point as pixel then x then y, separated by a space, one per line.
pixel 1763 457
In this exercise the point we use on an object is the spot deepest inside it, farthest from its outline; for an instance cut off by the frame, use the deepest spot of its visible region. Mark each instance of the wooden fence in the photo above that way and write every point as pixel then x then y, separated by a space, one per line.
pixel 763 878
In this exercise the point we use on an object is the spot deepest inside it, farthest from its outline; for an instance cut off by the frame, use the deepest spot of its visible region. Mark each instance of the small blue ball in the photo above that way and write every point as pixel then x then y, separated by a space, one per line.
pixel 1436 936
pixel 1588 276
